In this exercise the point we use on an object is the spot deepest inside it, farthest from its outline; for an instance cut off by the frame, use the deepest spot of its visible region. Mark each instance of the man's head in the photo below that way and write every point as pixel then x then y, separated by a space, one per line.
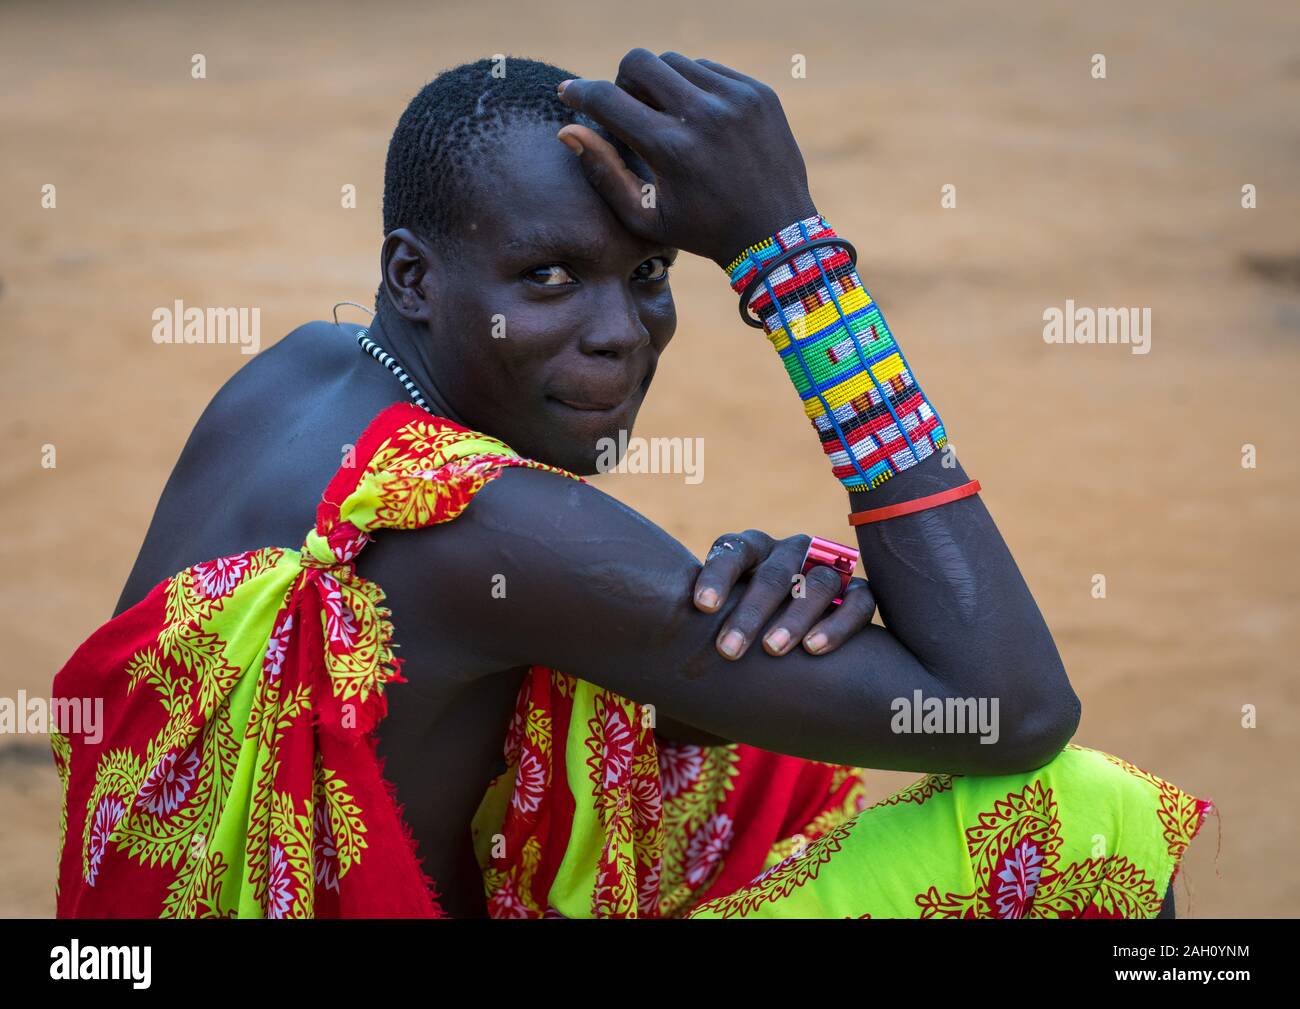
pixel 533 313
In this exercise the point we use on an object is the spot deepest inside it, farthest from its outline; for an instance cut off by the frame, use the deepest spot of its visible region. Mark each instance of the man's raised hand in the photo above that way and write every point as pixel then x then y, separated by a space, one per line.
pixel 726 169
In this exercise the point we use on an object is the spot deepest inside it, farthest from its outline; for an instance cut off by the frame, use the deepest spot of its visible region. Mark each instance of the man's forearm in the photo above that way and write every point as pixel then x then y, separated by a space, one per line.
pixel 945 582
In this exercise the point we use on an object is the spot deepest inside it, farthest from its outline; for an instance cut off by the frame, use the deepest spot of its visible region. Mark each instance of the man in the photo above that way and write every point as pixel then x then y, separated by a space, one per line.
pixel 490 222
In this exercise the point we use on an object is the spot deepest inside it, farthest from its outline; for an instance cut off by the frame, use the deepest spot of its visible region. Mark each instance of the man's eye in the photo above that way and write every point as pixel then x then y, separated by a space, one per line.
pixel 552 275
pixel 654 268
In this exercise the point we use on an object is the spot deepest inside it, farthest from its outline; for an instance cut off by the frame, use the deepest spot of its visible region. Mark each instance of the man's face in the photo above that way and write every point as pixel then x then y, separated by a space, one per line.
pixel 551 317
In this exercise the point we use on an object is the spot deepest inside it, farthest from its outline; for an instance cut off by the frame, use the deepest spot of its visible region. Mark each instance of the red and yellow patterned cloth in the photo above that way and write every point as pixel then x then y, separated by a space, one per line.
pixel 236 773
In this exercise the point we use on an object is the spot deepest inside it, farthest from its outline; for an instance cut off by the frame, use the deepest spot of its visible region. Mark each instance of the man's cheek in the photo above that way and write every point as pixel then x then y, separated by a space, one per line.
pixel 662 323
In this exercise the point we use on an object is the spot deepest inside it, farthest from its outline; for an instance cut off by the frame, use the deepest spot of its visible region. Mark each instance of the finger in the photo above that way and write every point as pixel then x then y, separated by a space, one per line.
pixel 608 174
pixel 628 118
pixel 738 83
pixel 645 76
pixel 700 76
pixel 766 593
pixel 821 586
pixel 722 70
pixel 844 621
pixel 730 557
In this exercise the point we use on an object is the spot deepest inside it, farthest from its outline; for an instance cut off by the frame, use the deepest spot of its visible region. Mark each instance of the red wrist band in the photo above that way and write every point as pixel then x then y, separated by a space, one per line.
pixel 917 505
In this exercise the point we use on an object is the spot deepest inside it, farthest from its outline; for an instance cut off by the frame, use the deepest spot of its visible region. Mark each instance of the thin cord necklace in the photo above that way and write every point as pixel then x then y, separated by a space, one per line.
pixel 388 361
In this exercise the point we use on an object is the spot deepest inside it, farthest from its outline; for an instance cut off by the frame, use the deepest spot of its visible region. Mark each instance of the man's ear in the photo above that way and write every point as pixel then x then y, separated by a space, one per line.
pixel 406 265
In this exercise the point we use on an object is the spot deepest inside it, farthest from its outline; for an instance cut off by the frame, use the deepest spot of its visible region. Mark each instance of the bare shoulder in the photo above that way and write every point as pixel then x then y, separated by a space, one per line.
pixel 264 448
pixel 306 357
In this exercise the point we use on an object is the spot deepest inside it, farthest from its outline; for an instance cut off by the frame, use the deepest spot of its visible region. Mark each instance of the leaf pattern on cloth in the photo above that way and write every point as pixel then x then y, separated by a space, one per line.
pixel 1011 847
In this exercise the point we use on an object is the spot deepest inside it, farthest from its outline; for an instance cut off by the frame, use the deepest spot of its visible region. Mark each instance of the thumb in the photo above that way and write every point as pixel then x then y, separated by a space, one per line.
pixel 620 187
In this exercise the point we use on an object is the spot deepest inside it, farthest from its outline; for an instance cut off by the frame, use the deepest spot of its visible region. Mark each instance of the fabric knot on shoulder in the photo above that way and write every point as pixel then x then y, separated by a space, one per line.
pixel 339 546
pixel 409 470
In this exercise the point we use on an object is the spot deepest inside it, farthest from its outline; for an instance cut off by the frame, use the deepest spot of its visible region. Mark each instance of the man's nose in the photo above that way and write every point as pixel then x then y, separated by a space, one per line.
pixel 616 330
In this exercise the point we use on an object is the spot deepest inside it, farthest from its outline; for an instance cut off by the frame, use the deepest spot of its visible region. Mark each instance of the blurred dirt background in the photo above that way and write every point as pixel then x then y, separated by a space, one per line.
pixel 1117 192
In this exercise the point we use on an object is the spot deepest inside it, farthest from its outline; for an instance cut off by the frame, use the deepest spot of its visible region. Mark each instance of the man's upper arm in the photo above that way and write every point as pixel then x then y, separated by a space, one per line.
pixel 557 573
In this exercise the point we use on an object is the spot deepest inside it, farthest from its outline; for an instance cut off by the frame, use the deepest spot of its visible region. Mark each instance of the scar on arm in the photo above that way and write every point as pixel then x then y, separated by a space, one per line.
pixel 953 573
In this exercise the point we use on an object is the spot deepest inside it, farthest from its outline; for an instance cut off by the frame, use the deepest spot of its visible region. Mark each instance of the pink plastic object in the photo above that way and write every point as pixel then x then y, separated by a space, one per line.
pixel 833 555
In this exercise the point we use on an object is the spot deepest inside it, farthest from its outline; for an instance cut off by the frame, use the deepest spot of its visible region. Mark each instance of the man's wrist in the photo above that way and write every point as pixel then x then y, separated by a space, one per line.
pixel 857 389
pixel 761 227
pixel 747 264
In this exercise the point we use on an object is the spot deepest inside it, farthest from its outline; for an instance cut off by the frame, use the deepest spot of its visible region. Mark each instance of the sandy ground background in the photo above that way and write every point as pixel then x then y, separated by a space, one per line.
pixel 1117 192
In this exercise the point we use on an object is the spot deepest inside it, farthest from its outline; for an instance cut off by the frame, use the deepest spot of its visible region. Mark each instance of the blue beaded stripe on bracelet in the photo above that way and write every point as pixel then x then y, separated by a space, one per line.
pixel 830 290
pixel 830 414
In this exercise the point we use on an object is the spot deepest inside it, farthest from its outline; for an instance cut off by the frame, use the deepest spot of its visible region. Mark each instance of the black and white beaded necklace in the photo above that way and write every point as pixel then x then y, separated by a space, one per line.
pixel 388 361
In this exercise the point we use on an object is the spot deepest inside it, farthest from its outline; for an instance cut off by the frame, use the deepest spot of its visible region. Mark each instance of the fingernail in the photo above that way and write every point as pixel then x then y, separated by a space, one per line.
pixel 559 88
pixel 707 598
pixel 571 142
pixel 778 639
pixel 732 643
pixel 816 642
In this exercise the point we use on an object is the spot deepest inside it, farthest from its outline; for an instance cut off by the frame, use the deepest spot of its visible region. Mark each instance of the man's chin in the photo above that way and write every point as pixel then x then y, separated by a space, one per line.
pixel 589 442
pixel 588 456
pixel 584 442
pixel 578 459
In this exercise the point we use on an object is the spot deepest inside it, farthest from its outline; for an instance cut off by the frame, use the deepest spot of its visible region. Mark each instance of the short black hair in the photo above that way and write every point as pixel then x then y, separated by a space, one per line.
pixel 447 125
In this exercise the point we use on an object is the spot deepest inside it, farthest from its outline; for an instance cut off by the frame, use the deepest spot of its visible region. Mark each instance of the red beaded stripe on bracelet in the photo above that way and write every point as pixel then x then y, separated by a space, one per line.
pixel 916 505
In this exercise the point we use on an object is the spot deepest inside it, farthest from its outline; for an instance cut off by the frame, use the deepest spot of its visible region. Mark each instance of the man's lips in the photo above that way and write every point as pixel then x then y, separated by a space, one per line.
pixel 591 407
pixel 600 404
